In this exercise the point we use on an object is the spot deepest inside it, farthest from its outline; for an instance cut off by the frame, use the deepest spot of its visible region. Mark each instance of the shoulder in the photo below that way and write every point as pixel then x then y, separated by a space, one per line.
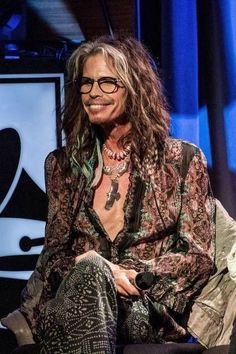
pixel 182 150
pixel 180 145
pixel 54 163
pixel 182 154
pixel 55 157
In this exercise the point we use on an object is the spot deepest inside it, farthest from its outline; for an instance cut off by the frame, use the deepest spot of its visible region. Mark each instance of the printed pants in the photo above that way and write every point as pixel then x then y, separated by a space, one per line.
pixel 86 316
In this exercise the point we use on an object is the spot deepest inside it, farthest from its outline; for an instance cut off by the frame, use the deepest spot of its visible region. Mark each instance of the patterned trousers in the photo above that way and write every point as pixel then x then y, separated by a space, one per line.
pixel 86 316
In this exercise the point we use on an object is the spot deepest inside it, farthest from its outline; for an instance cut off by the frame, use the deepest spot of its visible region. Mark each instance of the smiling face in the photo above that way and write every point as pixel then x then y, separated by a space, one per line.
pixel 102 108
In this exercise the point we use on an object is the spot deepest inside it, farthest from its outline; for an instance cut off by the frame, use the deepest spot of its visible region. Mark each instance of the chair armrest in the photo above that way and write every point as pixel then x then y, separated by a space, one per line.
pixel 17 323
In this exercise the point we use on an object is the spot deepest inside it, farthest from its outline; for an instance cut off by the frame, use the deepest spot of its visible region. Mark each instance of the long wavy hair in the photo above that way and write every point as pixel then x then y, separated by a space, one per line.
pixel 145 106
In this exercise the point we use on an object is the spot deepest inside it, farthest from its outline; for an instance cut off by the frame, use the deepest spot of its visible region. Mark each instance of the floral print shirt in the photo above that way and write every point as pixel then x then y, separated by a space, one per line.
pixel 169 229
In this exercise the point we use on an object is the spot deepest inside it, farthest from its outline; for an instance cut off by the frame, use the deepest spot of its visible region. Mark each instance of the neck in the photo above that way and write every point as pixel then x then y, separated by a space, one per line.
pixel 113 134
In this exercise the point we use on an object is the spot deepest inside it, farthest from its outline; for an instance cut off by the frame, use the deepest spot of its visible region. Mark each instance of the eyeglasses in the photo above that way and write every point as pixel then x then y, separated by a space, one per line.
pixel 106 84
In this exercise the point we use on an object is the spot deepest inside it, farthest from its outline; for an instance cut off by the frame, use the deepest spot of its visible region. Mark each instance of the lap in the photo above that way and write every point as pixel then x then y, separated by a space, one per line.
pixel 88 292
pixel 83 313
pixel 141 320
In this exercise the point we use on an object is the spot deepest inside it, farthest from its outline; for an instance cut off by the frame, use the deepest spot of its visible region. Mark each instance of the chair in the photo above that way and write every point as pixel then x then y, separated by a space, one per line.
pixel 8 345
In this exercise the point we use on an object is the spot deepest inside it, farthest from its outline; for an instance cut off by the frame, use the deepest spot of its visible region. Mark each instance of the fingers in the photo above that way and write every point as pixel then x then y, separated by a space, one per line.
pixel 122 291
pixel 123 277
pixel 130 273
pixel 127 291
pixel 124 285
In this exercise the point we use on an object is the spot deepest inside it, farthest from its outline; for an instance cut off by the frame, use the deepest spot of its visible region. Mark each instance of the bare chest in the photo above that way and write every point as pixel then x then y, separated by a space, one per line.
pixel 111 214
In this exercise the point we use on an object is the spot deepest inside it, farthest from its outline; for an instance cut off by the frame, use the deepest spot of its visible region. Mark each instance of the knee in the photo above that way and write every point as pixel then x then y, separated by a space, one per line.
pixel 90 270
pixel 93 264
pixel 90 259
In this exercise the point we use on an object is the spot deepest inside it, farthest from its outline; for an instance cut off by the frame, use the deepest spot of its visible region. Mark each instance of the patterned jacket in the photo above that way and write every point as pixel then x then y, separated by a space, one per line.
pixel 169 229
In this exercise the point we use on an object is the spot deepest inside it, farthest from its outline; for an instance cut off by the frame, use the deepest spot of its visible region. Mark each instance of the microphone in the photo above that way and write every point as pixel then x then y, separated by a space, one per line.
pixel 144 280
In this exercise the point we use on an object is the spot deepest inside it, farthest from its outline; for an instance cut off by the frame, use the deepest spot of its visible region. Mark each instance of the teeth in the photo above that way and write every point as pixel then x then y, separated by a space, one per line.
pixel 97 105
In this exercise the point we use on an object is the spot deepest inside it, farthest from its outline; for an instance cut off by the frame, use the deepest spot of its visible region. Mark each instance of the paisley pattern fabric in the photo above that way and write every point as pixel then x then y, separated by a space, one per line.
pixel 169 229
pixel 82 317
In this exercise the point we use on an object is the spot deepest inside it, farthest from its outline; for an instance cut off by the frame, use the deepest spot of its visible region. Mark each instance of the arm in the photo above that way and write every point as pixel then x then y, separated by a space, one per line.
pixel 186 260
pixel 189 260
pixel 55 257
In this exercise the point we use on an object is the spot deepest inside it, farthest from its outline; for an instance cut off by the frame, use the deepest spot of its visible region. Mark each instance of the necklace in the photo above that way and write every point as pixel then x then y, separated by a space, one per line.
pixel 113 193
pixel 109 170
pixel 117 155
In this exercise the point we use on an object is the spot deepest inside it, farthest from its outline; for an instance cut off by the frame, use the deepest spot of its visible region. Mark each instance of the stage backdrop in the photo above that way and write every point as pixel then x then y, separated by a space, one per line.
pixel 195 42
pixel 31 93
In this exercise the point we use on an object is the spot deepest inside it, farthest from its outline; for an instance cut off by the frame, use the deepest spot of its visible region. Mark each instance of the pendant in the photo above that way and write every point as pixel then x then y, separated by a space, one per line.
pixel 112 195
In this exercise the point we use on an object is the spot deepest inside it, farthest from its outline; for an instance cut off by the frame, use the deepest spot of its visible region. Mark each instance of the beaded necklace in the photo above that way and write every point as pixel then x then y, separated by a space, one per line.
pixel 115 172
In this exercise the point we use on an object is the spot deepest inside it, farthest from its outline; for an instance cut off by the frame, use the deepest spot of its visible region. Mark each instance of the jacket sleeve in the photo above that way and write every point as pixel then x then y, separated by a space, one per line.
pixel 187 263
pixel 55 257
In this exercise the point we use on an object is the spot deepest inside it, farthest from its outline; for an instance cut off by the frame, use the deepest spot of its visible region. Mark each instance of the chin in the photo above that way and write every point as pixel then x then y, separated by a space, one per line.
pixel 101 120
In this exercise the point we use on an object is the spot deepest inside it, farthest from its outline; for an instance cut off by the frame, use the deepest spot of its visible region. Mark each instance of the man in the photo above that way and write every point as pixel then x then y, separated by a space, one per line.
pixel 130 232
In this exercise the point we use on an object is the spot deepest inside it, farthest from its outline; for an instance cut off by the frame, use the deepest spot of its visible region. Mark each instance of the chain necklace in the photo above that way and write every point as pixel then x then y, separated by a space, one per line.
pixel 109 170
pixel 114 172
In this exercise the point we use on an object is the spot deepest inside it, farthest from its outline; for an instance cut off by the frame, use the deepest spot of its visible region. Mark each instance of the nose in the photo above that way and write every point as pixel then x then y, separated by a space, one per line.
pixel 95 91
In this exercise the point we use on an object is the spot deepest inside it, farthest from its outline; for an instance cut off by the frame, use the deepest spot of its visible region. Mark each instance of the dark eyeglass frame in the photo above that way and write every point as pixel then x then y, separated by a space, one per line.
pixel 100 81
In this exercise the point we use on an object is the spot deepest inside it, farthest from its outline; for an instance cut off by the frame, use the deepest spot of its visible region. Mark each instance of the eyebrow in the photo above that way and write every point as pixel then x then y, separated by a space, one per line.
pixel 102 77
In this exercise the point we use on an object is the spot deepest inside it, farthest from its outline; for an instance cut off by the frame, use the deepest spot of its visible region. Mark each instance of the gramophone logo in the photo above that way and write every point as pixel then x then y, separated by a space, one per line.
pixel 29 106
pixel 22 210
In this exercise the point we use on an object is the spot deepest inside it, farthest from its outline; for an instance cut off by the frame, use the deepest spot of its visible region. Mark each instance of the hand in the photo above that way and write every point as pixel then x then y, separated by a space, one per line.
pixel 123 277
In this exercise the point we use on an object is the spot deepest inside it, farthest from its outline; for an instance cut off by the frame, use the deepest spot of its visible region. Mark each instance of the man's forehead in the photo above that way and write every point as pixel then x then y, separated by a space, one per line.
pixel 99 60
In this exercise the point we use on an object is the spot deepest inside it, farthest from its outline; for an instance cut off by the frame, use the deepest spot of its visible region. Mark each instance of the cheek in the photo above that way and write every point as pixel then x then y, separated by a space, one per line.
pixel 117 109
pixel 82 100
pixel 122 104
pixel 83 106
pixel 121 108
